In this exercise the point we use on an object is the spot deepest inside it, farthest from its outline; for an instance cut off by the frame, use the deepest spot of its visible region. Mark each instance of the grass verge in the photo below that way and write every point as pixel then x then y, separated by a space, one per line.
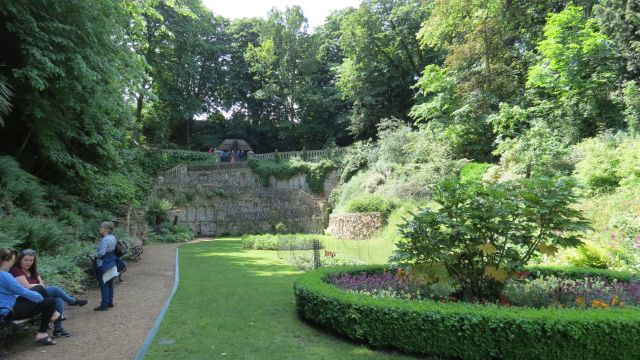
pixel 239 304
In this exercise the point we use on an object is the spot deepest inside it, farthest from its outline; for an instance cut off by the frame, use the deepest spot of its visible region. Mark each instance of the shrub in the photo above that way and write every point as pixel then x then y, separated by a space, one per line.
pixel 158 211
pixel 466 331
pixel 111 191
pixel 575 272
pixel 173 234
pixel 589 255
pixel 280 241
pixel 356 158
pixel 598 161
pixel 473 172
pixel 19 190
pixel 40 234
pixel 372 203
pixel 534 293
pixel 483 234
pixel 582 293
pixel 69 268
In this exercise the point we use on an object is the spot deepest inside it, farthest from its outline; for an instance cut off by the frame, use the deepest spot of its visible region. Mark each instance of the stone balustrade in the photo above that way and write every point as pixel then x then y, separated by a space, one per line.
pixel 310 154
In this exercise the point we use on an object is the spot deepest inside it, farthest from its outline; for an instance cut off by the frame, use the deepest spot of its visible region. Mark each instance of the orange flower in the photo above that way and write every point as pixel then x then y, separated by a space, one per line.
pixel 580 301
pixel 615 300
pixel 597 304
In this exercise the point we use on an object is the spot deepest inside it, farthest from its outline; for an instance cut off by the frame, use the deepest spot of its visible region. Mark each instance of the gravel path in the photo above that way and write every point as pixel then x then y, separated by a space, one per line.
pixel 119 332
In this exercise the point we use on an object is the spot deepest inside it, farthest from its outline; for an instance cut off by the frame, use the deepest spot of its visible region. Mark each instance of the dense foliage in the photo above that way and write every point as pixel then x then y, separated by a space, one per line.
pixel 483 234
pixel 93 95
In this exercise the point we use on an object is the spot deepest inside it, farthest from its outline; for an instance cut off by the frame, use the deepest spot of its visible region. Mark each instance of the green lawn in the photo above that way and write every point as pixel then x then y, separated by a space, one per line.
pixel 238 304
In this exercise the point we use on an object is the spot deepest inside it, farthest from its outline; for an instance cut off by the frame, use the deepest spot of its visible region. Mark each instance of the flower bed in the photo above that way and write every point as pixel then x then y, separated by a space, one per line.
pixel 529 289
pixel 467 331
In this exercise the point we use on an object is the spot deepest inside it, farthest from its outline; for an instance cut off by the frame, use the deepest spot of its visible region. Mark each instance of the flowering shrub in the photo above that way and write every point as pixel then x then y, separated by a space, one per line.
pixel 539 292
pixel 581 293
pixel 398 284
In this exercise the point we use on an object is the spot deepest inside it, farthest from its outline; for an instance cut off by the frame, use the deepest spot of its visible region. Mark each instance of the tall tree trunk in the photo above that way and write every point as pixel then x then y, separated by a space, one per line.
pixel 487 66
pixel 189 121
pixel 139 103
pixel 24 143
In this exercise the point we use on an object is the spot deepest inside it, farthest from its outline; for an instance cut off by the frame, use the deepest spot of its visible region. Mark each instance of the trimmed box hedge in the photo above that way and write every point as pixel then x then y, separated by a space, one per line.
pixel 467 331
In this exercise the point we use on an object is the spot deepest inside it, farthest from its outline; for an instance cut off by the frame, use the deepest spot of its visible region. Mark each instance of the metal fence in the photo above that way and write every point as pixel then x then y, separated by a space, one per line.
pixel 324 251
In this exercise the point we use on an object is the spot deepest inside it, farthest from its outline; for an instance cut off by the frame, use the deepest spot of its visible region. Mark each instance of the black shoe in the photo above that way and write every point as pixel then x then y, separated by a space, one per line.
pixel 79 303
pixel 111 305
pixel 101 308
pixel 63 317
pixel 60 333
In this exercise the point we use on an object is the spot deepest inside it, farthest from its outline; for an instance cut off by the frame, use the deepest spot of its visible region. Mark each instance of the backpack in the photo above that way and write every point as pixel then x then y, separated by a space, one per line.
pixel 121 248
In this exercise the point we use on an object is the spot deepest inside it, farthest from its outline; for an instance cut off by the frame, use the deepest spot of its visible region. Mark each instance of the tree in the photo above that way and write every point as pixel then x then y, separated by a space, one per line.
pixel 190 73
pixel 299 102
pixel 5 95
pixel 620 21
pixel 70 67
pixel 382 60
pixel 575 75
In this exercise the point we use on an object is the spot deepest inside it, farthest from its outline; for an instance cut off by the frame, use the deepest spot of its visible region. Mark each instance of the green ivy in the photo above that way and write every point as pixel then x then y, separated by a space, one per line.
pixel 286 169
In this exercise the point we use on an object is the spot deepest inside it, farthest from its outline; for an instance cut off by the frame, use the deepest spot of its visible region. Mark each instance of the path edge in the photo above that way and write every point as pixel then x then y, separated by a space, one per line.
pixel 156 325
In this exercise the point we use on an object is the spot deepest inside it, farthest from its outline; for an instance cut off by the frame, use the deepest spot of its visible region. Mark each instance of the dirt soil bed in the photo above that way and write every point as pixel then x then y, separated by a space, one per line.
pixel 120 332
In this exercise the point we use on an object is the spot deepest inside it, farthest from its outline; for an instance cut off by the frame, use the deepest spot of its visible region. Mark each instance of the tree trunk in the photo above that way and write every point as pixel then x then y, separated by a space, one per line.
pixel 139 103
pixel 487 66
pixel 24 143
pixel 189 121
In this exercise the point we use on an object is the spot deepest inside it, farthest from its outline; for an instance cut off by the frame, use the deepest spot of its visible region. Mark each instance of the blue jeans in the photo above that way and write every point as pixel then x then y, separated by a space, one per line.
pixel 106 291
pixel 61 297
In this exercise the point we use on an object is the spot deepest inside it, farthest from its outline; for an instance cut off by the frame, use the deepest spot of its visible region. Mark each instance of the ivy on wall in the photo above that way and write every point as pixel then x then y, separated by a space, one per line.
pixel 316 172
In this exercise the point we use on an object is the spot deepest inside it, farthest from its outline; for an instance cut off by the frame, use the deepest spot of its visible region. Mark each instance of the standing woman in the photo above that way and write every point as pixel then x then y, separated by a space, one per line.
pixel 21 303
pixel 106 262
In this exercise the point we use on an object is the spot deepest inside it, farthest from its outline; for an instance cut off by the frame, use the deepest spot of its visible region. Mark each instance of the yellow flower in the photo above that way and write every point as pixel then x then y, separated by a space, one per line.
pixel 580 301
pixel 487 248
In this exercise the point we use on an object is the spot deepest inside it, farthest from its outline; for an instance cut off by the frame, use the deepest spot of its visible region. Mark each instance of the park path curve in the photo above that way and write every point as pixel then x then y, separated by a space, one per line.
pixel 120 332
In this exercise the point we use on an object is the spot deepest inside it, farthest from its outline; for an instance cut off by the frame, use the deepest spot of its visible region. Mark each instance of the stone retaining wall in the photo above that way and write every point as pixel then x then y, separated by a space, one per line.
pixel 233 201
pixel 355 226
pixel 134 223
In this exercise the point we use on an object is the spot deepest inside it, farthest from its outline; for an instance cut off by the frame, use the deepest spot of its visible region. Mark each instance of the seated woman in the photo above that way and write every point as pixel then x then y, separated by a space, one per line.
pixel 19 302
pixel 25 270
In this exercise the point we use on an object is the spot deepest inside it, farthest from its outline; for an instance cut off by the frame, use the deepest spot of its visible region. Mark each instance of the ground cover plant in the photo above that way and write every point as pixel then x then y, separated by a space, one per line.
pixel 244 312
pixel 172 233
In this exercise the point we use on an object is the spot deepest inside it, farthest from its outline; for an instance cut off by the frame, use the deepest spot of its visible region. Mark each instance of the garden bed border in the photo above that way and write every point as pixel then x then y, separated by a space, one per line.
pixel 467 331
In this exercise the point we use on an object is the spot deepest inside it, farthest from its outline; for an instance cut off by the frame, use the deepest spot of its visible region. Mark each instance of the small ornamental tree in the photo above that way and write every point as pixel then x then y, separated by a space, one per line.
pixel 483 234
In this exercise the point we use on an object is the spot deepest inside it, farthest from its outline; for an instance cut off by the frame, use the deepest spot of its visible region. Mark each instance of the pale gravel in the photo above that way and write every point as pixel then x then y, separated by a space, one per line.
pixel 120 332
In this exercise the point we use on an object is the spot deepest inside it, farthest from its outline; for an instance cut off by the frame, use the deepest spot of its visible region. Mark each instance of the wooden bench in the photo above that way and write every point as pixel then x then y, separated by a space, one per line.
pixel 17 322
